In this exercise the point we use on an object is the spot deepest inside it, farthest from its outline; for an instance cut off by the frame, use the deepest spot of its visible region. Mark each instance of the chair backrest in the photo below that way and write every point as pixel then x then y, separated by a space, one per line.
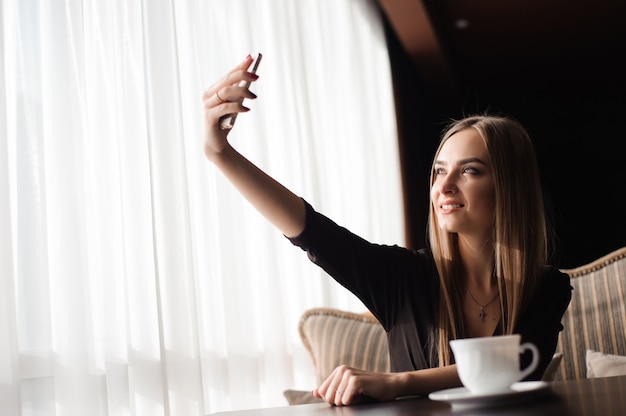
pixel 596 317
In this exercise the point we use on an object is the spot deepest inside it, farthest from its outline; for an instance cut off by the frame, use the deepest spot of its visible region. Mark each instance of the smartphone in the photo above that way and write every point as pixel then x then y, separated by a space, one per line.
pixel 228 121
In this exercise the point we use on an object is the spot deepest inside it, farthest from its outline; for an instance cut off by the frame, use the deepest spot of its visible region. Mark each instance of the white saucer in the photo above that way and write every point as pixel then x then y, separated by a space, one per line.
pixel 462 398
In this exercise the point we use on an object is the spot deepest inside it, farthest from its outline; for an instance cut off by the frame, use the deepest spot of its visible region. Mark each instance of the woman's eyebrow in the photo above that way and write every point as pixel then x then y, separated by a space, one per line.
pixel 463 161
pixel 473 160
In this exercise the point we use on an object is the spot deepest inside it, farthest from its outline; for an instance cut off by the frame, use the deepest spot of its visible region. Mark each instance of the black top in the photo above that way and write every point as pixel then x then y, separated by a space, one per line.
pixel 401 288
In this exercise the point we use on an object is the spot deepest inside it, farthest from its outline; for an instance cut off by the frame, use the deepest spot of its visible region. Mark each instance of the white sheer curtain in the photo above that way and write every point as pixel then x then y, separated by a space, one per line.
pixel 133 279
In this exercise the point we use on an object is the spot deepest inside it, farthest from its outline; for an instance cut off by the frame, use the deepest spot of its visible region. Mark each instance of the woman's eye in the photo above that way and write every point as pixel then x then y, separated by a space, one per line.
pixel 439 171
pixel 471 170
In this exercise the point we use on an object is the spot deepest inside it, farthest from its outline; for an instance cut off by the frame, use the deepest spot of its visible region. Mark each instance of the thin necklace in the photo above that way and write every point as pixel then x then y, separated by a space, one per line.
pixel 482 313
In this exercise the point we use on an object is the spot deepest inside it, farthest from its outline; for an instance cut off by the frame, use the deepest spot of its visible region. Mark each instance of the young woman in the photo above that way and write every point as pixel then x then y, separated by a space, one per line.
pixel 483 273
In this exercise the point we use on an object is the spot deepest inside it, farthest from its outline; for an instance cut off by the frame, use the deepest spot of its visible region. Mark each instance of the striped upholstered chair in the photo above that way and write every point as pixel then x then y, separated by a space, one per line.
pixel 595 320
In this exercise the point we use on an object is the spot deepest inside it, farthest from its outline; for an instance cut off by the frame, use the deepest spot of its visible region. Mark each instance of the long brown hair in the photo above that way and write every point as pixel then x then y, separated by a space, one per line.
pixel 520 237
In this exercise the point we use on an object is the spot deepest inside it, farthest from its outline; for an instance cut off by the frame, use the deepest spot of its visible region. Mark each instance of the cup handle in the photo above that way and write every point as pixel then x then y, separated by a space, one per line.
pixel 533 364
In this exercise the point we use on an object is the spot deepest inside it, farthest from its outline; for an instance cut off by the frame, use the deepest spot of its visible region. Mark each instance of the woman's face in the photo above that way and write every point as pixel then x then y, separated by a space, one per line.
pixel 463 191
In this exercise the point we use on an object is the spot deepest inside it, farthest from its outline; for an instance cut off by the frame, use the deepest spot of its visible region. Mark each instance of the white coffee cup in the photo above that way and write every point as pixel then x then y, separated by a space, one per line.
pixel 492 364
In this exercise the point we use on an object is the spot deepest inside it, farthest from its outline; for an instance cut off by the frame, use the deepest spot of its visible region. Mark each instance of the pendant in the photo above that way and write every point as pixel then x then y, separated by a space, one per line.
pixel 481 315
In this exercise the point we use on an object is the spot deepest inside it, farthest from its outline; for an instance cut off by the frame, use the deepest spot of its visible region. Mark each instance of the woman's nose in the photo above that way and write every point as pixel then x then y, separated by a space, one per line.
pixel 448 185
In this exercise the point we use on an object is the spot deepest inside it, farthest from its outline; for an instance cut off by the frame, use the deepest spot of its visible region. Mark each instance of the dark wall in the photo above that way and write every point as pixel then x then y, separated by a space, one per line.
pixel 575 112
pixel 577 125
pixel 418 120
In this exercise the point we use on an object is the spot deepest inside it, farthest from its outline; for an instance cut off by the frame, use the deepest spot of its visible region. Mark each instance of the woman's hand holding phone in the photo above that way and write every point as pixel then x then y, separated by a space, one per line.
pixel 228 121
pixel 223 101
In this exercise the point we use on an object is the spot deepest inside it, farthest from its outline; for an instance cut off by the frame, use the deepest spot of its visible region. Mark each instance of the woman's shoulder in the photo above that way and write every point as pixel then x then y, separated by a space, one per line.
pixel 555 283
pixel 553 275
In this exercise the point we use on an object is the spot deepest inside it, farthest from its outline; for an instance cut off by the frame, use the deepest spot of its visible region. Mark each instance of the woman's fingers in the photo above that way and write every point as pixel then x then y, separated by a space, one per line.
pixel 341 387
pixel 231 80
pixel 232 93
pixel 343 393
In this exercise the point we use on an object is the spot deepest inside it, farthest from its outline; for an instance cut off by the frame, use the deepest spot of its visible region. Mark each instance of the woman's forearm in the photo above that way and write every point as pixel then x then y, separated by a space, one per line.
pixel 284 209
pixel 422 382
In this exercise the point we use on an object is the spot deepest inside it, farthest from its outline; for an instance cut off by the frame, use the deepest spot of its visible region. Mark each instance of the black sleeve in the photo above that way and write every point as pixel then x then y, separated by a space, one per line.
pixel 540 323
pixel 377 274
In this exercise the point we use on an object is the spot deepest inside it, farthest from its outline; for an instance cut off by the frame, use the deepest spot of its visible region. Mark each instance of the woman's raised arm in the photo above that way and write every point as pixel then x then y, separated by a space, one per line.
pixel 284 209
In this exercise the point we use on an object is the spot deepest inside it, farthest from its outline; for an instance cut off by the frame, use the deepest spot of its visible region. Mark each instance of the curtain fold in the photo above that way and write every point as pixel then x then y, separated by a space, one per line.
pixel 134 280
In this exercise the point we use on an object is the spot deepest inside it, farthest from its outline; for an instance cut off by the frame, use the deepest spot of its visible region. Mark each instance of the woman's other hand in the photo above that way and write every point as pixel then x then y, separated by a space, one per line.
pixel 347 386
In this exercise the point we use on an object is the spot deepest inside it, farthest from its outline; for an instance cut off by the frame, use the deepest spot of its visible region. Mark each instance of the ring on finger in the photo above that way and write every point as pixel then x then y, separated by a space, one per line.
pixel 219 99
pixel 339 392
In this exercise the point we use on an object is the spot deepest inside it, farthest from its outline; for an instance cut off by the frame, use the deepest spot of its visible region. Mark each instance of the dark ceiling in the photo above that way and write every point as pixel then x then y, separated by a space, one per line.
pixel 460 44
